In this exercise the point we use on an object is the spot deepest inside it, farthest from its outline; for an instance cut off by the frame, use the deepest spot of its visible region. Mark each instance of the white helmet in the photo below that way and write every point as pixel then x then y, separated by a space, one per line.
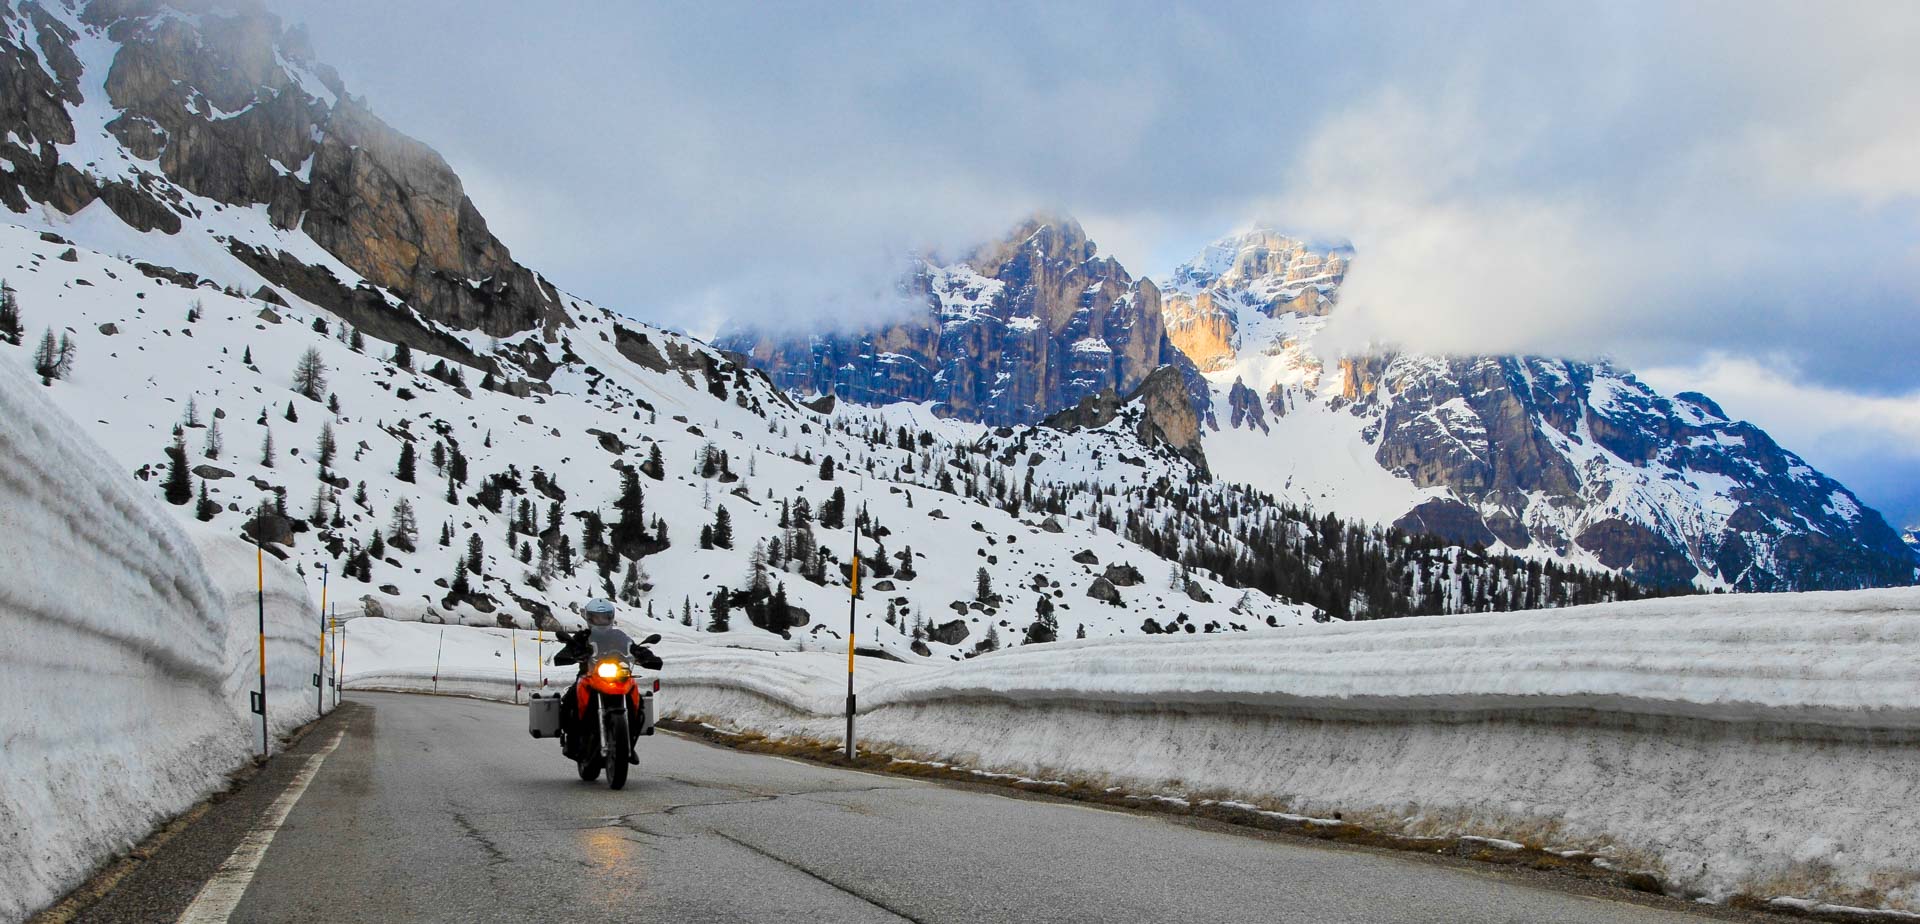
pixel 599 612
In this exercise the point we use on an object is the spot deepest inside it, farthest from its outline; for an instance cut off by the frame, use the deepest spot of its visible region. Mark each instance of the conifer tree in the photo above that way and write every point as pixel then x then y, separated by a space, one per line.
pixel 292 415
pixel 460 586
pixel 204 508
pixel 402 531
pixel 325 451
pixel 266 450
pixel 11 330
pixel 46 359
pixel 179 487
pixel 310 373
pixel 63 365
pixel 403 357
pixel 405 470
pixel 720 621
pixel 475 554
pixel 722 528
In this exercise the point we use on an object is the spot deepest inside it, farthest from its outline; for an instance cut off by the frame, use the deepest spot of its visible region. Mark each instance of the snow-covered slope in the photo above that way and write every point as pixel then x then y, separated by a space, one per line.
pixel 127 654
pixel 155 370
pixel 1543 457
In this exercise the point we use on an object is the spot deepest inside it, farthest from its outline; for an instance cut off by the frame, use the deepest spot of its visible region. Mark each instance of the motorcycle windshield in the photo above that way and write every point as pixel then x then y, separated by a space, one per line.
pixel 609 642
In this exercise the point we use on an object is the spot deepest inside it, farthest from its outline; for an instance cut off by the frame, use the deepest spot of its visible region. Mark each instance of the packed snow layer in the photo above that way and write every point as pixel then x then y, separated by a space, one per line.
pixel 1758 744
pixel 124 660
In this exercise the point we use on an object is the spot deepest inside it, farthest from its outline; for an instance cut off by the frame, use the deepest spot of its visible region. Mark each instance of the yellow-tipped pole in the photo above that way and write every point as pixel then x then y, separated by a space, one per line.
pixel 319 677
pixel 260 588
pixel 853 606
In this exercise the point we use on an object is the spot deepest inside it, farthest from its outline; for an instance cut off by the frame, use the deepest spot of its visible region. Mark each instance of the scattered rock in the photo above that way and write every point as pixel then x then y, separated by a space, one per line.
pixel 1051 525
pixel 1198 594
pixel 1124 576
pixel 211 472
pixel 1086 557
pixel 1103 590
pixel 109 329
pixel 268 315
pixel 71 256
pixel 267 294
pixel 950 633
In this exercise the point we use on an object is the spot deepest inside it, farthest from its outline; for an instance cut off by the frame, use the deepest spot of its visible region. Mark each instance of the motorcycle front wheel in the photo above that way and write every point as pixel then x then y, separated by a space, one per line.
pixel 619 746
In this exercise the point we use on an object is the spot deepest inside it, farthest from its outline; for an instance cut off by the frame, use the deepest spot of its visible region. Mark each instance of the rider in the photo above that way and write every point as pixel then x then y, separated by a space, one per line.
pixel 579 650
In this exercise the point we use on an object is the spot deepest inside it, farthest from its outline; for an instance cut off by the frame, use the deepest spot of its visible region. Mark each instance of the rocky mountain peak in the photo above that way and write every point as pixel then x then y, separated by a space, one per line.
pixel 171 114
pixel 1026 325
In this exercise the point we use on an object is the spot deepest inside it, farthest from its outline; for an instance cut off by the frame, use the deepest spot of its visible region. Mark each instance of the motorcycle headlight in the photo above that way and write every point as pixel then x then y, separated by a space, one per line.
pixel 611 670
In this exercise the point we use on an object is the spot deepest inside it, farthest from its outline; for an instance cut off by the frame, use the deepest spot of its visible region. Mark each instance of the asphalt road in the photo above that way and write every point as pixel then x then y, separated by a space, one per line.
pixel 440 809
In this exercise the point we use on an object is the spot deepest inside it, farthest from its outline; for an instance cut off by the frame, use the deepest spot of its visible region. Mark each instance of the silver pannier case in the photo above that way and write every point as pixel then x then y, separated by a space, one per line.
pixel 543 715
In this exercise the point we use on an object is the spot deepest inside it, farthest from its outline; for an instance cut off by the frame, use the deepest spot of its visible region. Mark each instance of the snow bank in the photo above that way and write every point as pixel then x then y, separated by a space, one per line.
pixel 1758 744
pixel 124 660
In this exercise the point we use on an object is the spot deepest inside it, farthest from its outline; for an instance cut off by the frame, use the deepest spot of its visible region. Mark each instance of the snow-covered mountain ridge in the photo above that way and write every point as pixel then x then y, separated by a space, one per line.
pixel 1576 460
pixel 1563 460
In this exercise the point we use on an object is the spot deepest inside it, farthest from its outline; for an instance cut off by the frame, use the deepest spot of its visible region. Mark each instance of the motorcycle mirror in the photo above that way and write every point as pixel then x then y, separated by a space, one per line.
pixel 653 639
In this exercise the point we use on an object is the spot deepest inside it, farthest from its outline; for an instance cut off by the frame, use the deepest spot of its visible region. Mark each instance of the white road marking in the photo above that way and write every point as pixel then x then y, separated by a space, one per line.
pixel 223 891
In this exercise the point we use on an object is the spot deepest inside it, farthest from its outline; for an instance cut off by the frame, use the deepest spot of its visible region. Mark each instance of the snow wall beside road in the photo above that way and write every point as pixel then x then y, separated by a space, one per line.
pixel 127 649
pixel 1765 745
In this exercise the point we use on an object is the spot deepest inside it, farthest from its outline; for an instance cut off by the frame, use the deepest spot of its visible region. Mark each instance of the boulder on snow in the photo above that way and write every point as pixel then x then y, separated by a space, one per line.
pixel 370 606
pixel 1198 594
pixel 1086 557
pixel 109 329
pixel 267 294
pixel 1052 525
pixel 1124 575
pixel 1103 590
pixel 269 315
pixel 211 472
pixel 949 633
pixel 71 256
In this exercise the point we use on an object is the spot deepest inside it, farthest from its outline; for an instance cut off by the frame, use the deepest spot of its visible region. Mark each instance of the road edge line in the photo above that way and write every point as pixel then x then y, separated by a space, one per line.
pixel 215 901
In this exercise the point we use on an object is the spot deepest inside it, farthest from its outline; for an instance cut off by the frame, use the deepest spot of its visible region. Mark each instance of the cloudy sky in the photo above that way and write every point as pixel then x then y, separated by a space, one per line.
pixel 1722 196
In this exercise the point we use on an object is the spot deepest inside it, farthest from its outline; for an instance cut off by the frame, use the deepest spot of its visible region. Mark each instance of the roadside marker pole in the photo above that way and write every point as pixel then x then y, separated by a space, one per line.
pixel 539 659
pixel 342 648
pixel 853 607
pixel 260 587
pixel 339 639
pixel 436 660
pixel 319 689
pixel 513 642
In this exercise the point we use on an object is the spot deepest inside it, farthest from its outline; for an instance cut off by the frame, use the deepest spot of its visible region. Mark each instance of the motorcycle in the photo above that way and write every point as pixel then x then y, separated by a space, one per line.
pixel 611 709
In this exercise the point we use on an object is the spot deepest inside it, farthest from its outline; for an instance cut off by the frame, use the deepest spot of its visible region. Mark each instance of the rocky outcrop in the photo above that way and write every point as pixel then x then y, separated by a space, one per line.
pixel 1020 329
pixel 222 107
pixel 1159 413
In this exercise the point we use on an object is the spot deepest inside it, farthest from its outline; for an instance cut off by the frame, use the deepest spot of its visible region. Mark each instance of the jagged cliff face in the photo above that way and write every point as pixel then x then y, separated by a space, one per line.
pixel 1022 328
pixel 208 121
pixel 1542 456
